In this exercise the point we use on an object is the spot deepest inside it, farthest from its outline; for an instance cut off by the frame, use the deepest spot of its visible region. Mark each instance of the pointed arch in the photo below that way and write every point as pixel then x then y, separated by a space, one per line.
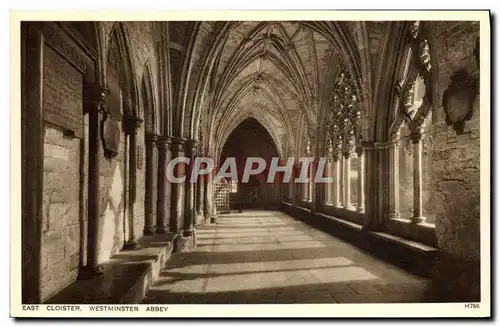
pixel 118 53
pixel 149 101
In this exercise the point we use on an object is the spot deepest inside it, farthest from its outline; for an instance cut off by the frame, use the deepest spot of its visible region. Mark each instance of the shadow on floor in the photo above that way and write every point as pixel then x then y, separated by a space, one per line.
pixel 311 293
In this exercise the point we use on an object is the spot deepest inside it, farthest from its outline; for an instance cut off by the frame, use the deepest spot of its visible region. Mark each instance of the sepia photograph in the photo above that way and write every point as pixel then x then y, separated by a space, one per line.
pixel 239 164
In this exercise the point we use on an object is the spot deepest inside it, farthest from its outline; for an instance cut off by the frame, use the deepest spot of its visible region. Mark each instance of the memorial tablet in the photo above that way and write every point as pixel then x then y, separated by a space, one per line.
pixel 62 92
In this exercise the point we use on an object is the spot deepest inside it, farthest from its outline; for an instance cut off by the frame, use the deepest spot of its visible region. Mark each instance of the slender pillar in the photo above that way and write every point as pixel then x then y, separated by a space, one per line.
pixel 361 181
pixel 177 189
pixel 208 206
pixel 336 183
pixel 417 177
pixel 96 115
pixel 200 195
pixel 189 210
pixel 328 186
pixel 290 187
pixel 162 205
pixel 305 188
pixel 151 184
pixel 347 182
pixel 297 186
pixel 394 179
pixel 310 185
pixel 131 125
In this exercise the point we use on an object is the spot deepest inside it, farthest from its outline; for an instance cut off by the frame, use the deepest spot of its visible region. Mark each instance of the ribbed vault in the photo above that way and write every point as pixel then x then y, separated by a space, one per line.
pixel 276 72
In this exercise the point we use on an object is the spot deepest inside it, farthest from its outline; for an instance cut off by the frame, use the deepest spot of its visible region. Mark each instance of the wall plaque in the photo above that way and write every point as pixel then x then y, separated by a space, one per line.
pixel 458 99
pixel 111 137
pixel 62 92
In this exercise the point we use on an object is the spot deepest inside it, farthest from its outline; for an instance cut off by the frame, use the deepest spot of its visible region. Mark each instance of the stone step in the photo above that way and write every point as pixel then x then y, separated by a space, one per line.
pixel 127 276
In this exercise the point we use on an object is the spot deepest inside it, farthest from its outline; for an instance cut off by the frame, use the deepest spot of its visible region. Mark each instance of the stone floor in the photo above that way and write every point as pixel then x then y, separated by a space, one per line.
pixel 269 257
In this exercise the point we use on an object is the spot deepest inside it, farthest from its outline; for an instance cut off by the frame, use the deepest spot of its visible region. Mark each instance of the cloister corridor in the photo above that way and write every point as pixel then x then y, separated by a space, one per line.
pixel 349 156
pixel 269 257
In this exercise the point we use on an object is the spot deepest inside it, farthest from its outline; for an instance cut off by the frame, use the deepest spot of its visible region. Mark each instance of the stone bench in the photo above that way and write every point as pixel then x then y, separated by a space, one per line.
pixel 127 276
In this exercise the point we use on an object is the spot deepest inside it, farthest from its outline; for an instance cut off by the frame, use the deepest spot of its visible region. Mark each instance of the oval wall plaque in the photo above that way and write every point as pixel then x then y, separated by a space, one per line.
pixel 111 137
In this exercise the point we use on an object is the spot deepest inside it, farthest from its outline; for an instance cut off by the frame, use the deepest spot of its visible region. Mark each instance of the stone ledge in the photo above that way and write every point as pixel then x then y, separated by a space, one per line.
pixel 127 276
pixel 346 223
pixel 413 256
pixel 422 233
pixel 407 243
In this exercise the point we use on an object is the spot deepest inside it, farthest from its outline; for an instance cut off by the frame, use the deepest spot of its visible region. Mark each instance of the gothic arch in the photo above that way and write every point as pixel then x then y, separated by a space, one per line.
pixel 408 66
pixel 118 35
pixel 152 117
pixel 235 121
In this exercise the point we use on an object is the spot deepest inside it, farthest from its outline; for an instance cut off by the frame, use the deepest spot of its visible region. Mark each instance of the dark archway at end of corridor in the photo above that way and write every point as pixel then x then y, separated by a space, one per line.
pixel 251 139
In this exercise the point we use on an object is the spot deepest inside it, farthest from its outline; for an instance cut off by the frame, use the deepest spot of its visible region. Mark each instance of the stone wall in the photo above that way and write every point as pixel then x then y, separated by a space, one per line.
pixel 140 183
pixel 456 157
pixel 61 211
pixel 112 202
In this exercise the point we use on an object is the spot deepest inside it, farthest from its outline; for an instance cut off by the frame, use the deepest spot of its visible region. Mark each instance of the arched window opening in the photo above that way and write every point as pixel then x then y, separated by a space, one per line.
pixel 411 154
pixel 346 167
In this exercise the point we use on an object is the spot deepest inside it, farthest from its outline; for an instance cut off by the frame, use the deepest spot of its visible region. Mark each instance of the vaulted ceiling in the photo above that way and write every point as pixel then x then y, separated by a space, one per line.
pixel 276 72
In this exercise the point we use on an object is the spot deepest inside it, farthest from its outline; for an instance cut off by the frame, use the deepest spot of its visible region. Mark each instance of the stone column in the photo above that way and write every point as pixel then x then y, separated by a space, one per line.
pixel 208 199
pixel 347 182
pixel 131 125
pixel 375 214
pixel 96 115
pixel 305 188
pixel 416 138
pixel 200 197
pixel 361 180
pixel 297 187
pixel 336 183
pixel 328 186
pixel 310 185
pixel 394 179
pixel 188 240
pixel 151 183
pixel 162 205
pixel 290 187
pixel 177 189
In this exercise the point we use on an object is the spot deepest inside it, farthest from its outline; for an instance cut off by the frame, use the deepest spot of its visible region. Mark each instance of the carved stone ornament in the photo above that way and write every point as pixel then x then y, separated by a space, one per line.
pixel 110 137
pixel 458 99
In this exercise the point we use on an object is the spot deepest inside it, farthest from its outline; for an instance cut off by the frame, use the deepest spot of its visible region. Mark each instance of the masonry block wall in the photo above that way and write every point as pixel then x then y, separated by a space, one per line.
pixel 61 210
pixel 456 156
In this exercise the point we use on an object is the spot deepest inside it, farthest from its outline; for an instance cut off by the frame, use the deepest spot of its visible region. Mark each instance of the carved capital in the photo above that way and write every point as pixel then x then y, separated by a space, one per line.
pixel 152 138
pixel 131 124
pixel 416 136
pixel 191 146
pixel 359 151
pixel 178 145
pixel 163 143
